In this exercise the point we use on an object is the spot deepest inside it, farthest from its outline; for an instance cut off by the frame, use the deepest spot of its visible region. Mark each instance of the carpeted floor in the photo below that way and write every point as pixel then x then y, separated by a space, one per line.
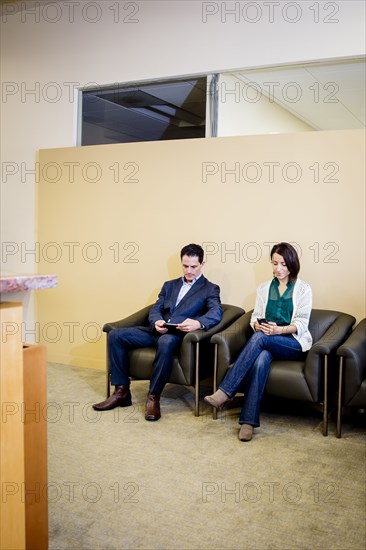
pixel 118 482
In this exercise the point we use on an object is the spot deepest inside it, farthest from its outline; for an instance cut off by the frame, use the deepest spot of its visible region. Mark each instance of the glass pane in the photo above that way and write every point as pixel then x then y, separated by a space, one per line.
pixel 148 112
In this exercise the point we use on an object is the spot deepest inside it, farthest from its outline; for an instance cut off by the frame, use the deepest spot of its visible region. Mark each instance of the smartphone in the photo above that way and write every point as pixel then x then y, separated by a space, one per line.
pixel 170 325
pixel 263 320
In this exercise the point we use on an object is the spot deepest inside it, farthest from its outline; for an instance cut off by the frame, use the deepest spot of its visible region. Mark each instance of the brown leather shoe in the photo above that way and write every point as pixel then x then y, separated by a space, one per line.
pixel 152 407
pixel 121 397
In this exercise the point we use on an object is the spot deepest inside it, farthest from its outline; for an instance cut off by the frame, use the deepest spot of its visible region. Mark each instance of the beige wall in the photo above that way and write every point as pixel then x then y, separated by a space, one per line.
pixel 113 243
pixel 46 53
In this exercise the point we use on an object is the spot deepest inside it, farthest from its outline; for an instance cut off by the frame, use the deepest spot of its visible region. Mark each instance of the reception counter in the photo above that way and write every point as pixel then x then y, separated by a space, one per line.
pixel 17 283
pixel 23 426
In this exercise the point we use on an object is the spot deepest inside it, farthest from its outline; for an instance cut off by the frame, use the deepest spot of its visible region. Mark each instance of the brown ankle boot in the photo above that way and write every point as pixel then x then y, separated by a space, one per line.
pixel 121 397
pixel 246 432
pixel 152 407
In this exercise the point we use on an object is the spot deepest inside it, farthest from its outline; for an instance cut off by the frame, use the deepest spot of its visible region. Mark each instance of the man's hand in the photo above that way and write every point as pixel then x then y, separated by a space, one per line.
pixel 189 325
pixel 159 326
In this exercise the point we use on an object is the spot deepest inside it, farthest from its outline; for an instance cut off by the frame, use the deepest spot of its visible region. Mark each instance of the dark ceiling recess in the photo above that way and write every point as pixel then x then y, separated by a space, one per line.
pixel 150 112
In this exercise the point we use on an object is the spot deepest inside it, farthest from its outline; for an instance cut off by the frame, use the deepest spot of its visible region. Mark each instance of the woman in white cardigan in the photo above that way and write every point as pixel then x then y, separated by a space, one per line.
pixel 280 322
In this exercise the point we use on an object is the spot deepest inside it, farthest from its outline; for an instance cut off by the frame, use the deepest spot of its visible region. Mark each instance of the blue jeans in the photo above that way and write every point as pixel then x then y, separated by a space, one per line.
pixel 251 369
pixel 121 341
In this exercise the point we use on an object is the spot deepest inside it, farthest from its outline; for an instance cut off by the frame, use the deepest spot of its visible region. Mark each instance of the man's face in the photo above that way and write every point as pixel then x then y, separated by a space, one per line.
pixel 191 267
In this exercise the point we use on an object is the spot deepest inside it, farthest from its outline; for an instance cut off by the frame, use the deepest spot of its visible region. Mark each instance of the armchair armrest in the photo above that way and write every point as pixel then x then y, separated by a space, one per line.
pixel 230 314
pixel 334 335
pixel 355 345
pixel 231 340
pixel 139 318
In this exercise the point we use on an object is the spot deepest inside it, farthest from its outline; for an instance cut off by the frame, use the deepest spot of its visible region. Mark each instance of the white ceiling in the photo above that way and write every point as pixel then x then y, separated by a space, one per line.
pixel 325 96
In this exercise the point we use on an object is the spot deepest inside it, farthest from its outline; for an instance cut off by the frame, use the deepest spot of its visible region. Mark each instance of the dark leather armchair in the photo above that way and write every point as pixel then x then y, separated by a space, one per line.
pixel 352 372
pixel 298 380
pixel 195 350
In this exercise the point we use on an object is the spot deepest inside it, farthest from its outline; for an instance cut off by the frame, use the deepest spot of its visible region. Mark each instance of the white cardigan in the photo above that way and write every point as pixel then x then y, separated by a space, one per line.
pixel 302 302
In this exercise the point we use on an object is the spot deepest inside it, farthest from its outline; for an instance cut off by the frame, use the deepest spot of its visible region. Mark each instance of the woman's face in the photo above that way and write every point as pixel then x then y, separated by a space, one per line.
pixel 279 268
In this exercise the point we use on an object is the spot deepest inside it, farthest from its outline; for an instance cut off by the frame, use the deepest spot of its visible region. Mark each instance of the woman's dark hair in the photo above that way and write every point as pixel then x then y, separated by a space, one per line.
pixel 289 254
pixel 192 250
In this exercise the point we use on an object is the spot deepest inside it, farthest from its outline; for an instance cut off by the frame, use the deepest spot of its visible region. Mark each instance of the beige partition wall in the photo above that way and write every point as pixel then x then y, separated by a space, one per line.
pixel 113 218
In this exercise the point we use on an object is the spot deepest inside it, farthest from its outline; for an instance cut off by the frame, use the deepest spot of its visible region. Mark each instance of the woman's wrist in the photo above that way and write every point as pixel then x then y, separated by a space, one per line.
pixel 289 329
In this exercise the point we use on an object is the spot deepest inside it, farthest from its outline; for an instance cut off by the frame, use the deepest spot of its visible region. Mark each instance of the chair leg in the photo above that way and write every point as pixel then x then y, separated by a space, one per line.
pixel 108 387
pixel 197 384
pixel 339 409
pixel 214 412
pixel 325 405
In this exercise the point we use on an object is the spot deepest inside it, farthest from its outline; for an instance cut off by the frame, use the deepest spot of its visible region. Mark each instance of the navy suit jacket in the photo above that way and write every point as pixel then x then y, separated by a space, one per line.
pixel 202 303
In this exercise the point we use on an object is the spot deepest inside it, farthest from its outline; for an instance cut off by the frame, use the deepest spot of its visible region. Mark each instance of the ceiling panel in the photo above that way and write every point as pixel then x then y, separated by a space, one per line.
pixel 325 96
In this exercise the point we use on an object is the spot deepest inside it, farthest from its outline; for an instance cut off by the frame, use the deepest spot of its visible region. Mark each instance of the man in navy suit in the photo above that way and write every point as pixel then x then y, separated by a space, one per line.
pixel 192 303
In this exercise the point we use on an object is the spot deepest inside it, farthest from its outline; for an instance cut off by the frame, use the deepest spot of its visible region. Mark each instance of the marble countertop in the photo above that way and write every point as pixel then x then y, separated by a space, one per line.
pixel 10 282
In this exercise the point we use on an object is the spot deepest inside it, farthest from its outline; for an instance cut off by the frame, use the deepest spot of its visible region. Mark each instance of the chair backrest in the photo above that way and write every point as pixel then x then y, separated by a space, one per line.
pixel 320 321
pixel 230 313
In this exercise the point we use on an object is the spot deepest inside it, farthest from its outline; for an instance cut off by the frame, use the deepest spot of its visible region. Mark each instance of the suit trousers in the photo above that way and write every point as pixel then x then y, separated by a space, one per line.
pixel 121 341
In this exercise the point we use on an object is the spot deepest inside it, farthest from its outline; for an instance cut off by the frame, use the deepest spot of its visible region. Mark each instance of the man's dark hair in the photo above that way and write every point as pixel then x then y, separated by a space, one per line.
pixel 192 250
pixel 289 254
